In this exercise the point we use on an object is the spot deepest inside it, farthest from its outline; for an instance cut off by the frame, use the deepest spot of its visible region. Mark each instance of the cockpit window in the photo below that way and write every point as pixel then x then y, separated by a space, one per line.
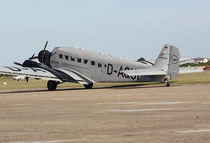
pixel 60 56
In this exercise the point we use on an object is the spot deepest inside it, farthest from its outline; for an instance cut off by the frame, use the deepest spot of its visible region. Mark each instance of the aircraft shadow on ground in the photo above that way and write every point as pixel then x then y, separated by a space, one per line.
pixel 117 87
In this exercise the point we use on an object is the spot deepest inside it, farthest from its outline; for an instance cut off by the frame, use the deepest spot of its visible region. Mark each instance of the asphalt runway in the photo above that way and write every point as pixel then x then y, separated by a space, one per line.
pixel 133 114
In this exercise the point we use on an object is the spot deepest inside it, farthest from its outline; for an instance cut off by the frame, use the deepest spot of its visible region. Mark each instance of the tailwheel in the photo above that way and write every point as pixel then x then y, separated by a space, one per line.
pixel 167 83
pixel 88 86
pixel 52 85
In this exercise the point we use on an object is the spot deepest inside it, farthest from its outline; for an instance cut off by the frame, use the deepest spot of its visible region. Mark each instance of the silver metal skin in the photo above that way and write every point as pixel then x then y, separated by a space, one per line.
pixel 69 64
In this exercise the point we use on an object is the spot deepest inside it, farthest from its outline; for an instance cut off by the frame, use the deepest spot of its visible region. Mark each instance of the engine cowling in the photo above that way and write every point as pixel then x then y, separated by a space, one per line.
pixel 29 63
pixel 44 57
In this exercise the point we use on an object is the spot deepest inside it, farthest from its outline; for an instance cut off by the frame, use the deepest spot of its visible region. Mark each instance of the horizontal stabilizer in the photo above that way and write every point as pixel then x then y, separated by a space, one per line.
pixel 144 72
pixel 190 70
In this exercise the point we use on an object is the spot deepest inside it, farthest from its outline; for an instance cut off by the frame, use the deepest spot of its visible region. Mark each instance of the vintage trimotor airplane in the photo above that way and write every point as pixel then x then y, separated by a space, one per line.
pixel 68 64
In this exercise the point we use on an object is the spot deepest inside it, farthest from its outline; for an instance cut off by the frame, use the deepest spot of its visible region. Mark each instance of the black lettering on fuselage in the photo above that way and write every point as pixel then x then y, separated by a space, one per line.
pixel 127 76
pixel 120 72
pixel 133 77
pixel 109 69
pixel 138 78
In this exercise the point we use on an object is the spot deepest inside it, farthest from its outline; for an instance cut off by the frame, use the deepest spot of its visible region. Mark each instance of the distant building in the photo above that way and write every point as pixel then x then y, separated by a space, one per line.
pixel 201 60
pixel 205 60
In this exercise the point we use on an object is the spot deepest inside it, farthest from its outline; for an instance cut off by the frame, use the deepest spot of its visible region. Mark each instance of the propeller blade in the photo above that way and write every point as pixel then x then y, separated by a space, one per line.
pixel 35 57
pixel 32 57
pixel 18 64
pixel 45 45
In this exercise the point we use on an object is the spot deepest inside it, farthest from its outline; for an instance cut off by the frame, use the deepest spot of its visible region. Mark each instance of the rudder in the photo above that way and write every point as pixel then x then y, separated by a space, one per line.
pixel 168 61
pixel 173 68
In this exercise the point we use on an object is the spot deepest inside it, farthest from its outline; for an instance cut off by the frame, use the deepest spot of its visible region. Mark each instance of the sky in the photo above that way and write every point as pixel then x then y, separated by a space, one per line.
pixel 123 28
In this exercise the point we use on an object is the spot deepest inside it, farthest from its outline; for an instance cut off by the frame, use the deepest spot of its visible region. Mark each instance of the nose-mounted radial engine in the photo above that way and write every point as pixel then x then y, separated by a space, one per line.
pixel 44 56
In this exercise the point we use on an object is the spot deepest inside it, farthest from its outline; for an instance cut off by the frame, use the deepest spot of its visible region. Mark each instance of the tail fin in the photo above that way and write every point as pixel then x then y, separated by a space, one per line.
pixel 168 61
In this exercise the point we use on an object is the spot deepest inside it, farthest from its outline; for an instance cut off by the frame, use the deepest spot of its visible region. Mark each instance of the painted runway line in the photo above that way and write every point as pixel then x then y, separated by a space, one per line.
pixel 141 110
pixel 195 131
pixel 153 103
pixel 164 103
pixel 56 141
pixel 124 103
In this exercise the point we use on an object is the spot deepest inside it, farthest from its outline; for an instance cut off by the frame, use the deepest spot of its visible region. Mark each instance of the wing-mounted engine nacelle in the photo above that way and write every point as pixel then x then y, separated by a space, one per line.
pixel 44 57
pixel 29 63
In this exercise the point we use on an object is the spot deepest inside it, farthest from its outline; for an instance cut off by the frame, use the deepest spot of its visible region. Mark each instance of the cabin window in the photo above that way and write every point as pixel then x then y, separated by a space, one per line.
pixel 79 60
pixel 60 56
pixel 67 57
pixel 93 63
pixel 85 61
pixel 99 65
pixel 72 59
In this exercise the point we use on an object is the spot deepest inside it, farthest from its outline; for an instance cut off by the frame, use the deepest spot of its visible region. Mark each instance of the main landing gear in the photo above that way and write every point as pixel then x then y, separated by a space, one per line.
pixel 167 83
pixel 88 86
pixel 52 85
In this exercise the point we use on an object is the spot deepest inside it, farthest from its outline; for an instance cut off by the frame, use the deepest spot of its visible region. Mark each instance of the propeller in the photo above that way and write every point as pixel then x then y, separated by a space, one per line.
pixel 33 57
pixel 45 45
pixel 43 57
pixel 18 64
pixel 40 55
pixel 32 64
pixel 29 59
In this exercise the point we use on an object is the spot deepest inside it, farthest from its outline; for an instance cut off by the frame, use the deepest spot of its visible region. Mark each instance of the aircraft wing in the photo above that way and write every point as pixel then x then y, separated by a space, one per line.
pixel 36 73
pixel 144 72
pixel 57 74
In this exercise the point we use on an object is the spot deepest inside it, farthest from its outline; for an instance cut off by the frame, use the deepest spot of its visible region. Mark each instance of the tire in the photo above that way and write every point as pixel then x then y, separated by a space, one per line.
pixel 52 85
pixel 168 84
pixel 88 86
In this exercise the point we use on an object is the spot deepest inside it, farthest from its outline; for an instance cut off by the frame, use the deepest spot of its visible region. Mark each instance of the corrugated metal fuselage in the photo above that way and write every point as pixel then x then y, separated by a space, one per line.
pixel 98 67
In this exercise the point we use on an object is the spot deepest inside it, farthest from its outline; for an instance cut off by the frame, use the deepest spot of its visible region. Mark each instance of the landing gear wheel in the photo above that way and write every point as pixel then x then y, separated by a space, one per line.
pixel 167 83
pixel 52 85
pixel 88 86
